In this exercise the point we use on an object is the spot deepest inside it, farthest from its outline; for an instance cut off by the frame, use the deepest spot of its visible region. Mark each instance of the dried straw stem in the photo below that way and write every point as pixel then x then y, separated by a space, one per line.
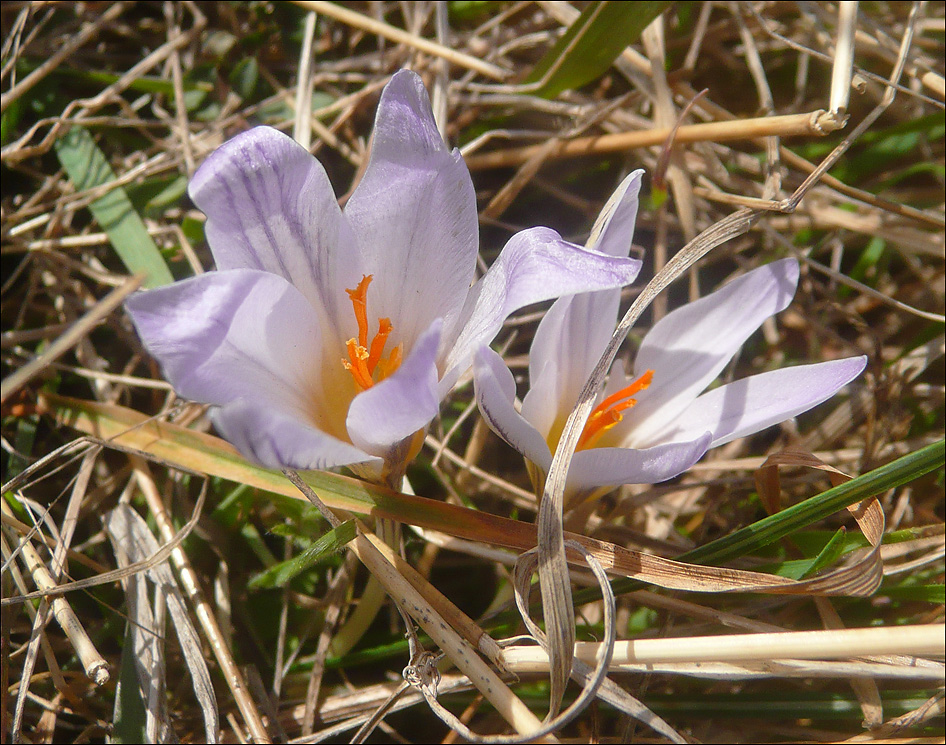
pixel 832 644
pixel 95 666
pixel 815 123
pixel 401 36
pixel 202 609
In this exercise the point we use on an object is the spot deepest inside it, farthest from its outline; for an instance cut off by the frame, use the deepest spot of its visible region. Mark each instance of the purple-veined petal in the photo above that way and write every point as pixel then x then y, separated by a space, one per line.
pixel 495 396
pixel 569 340
pixel 576 329
pixel 749 405
pixel 414 213
pixel 541 404
pixel 279 440
pixel 535 265
pixel 270 206
pixel 596 467
pixel 613 231
pixel 689 347
pixel 382 417
pixel 227 335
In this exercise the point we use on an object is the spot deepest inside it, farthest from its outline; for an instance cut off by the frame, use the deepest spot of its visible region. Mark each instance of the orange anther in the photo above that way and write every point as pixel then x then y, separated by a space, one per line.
pixel 363 361
pixel 356 364
pixel 392 363
pixel 377 344
pixel 608 412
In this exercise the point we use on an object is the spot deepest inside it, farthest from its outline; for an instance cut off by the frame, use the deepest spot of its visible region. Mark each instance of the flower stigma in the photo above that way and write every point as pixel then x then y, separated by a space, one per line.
pixel 364 359
pixel 608 413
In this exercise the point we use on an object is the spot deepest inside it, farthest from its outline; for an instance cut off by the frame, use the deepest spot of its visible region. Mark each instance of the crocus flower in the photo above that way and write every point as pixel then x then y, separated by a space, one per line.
pixel 655 423
pixel 326 337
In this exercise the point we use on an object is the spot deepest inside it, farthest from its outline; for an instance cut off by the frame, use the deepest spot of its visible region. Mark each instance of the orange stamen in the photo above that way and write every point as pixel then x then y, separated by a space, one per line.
pixel 377 344
pixel 608 412
pixel 392 363
pixel 357 366
pixel 359 301
pixel 363 361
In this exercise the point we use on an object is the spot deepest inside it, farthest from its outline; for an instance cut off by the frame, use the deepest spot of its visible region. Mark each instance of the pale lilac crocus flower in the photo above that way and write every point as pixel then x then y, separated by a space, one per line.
pixel 328 338
pixel 655 423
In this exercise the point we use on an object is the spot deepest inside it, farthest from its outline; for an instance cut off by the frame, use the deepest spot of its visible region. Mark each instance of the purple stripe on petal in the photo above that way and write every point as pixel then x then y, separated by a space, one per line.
pixel 270 206
pixel 414 213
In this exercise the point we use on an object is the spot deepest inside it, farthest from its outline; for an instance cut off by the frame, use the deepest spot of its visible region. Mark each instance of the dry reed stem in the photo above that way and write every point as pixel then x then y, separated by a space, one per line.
pixel 927 640
pixel 205 614
pixel 94 664
pixel 77 331
pixel 400 36
pixel 816 123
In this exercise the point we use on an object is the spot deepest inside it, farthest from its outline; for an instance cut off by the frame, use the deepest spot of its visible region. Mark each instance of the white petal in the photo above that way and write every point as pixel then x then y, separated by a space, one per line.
pixel 270 206
pixel 414 213
pixel 613 231
pixel 227 335
pixel 570 339
pixel 495 396
pixel 596 467
pixel 535 265
pixel 690 346
pixel 754 403
pixel 279 440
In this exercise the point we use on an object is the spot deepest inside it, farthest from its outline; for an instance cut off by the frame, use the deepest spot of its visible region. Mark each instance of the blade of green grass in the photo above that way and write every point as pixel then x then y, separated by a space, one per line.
pixel 325 545
pixel 770 529
pixel 88 168
pixel 591 44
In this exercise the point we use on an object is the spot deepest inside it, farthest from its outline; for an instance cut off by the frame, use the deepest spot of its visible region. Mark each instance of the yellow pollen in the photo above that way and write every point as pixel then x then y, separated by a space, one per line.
pixel 363 359
pixel 608 412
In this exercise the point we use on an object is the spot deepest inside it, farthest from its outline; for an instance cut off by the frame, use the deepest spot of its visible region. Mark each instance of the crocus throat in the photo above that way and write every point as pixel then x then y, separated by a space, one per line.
pixel 608 412
pixel 366 362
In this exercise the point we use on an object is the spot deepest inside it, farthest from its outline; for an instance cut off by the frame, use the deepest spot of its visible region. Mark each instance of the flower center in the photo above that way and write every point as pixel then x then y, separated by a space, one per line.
pixel 608 412
pixel 366 362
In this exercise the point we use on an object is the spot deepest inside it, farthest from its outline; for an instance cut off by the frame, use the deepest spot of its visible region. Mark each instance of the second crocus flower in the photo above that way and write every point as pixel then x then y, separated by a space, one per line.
pixel 654 422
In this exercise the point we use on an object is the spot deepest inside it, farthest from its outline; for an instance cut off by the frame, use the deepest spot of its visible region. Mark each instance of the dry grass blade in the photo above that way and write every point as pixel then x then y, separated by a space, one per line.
pixel 593 680
pixel 398 35
pixel 553 568
pixel 205 613
pixel 77 41
pixel 12 383
pixel 377 556
pixel 96 667
pixel 133 542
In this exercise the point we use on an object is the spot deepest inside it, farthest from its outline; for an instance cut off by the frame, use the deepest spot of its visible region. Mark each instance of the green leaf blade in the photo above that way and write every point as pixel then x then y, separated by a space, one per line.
pixel 88 168
pixel 591 44
pixel 280 574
